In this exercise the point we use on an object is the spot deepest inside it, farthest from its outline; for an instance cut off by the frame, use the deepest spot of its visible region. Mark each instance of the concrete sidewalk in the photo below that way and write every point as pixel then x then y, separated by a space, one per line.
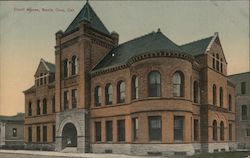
pixel 68 155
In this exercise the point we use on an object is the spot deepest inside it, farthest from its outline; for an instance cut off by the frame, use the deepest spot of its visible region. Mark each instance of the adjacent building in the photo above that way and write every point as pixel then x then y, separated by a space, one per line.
pixel 242 82
pixel 12 131
pixel 147 96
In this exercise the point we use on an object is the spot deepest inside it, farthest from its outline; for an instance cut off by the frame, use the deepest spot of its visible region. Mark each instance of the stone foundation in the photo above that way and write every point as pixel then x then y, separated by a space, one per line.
pixel 147 149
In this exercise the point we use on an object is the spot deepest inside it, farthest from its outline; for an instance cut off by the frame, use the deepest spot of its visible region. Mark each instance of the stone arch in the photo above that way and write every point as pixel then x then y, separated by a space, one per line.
pixel 66 121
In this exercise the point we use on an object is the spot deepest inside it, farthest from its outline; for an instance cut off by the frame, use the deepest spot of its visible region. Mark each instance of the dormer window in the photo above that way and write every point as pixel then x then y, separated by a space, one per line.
pixel 41 79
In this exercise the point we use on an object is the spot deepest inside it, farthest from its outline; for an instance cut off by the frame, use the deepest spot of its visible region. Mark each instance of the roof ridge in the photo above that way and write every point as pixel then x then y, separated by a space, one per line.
pixel 138 37
pixel 196 41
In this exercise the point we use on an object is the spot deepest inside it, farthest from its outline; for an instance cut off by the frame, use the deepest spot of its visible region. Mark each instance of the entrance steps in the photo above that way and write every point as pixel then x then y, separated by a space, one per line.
pixel 70 150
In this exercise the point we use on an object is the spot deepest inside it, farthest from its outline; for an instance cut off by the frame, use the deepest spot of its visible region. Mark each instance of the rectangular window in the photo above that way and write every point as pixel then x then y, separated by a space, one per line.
pixel 14 132
pixel 196 130
pixel 44 134
pixel 38 134
pixel 53 104
pixel 41 80
pixel 65 100
pixel 45 79
pixel 243 87
pixel 230 131
pixel 109 131
pixel 29 134
pixel 121 130
pixel 135 128
pixel 38 110
pixel 155 127
pixel 243 112
pixel 74 98
pixel 98 131
pixel 248 132
pixel 178 128
pixel 54 133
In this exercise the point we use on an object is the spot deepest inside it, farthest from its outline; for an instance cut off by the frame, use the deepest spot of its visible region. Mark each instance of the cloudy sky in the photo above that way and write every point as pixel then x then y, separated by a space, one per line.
pixel 27 33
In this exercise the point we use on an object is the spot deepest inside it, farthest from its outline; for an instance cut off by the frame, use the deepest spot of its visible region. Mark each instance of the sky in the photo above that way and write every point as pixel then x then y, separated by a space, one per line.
pixel 27 33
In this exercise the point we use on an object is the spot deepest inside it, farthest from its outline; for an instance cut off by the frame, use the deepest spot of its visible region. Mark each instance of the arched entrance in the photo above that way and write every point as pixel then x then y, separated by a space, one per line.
pixel 69 136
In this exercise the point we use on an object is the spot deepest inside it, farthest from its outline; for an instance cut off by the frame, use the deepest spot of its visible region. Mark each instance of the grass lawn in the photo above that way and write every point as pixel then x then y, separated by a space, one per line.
pixel 222 155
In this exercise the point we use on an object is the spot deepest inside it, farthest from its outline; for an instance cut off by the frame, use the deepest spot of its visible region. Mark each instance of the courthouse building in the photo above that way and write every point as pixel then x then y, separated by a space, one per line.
pixel 147 96
pixel 242 82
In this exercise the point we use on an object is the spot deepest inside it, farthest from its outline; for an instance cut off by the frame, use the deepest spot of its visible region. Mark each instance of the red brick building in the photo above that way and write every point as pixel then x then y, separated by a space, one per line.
pixel 145 96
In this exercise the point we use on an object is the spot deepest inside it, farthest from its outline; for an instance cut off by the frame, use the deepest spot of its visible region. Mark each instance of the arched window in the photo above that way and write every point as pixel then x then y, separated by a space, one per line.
pixel 217 62
pixel 98 96
pixel 38 108
pixel 121 92
pixel 154 84
pixel 195 91
pixel 229 102
pixel 213 61
pixel 134 87
pixel 108 94
pixel 221 130
pixel 221 97
pixel 74 66
pixel 178 84
pixel 44 106
pixel 214 95
pixel 214 130
pixel 30 109
pixel 221 65
pixel 65 68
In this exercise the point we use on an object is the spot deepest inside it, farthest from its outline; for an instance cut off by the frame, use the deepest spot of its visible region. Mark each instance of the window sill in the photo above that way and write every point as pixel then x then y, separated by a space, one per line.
pixel 155 141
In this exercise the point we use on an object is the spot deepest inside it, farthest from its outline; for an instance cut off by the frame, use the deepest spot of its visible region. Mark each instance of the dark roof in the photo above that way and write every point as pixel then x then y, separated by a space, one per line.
pixel 18 117
pixel 31 89
pixel 155 41
pixel 197 47
pixel 88 14
pixel 50 66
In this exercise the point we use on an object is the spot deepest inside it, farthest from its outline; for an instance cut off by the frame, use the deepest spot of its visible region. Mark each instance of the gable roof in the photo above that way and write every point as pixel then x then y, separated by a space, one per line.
pixel 155 41
pixel 88 14
pixel 197 47
pixel 48 66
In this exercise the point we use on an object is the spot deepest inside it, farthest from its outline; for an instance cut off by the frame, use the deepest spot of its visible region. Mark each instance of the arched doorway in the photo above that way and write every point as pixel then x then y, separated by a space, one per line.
pixel 69 136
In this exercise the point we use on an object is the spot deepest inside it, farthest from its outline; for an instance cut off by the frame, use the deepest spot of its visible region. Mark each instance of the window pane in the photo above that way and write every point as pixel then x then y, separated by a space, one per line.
pixel 196 129
pixel 154 82
pixel 30 134
pixel 98 131
pixel 243 87
pixel 109 131
pixel 121 92
pixel 44 134
pixel 243 112
pixel 155 131
pixel 121 130
pixel 38 136
pixel 74 98
pixel 178 127
pixel 178 85
pixel 135 128
pixel 108 94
